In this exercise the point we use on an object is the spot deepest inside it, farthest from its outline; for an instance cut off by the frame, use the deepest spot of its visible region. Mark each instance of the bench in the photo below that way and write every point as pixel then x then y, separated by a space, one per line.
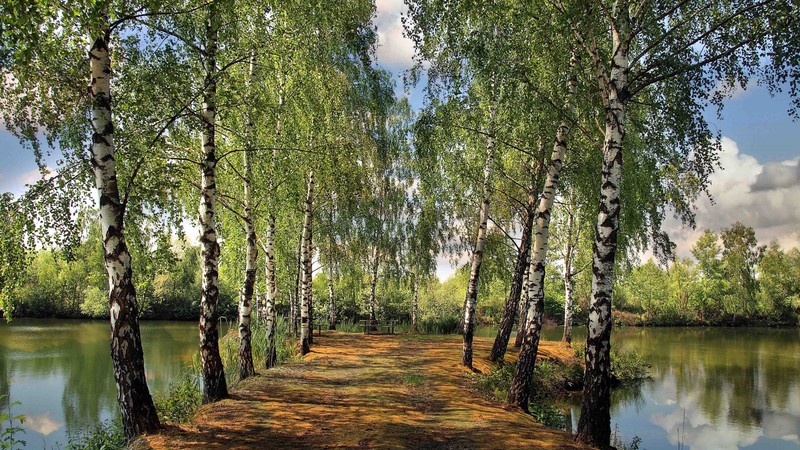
pixel 371 327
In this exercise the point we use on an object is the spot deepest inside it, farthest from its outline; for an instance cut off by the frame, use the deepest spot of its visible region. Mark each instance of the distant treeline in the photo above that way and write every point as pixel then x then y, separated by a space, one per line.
pixel 735 283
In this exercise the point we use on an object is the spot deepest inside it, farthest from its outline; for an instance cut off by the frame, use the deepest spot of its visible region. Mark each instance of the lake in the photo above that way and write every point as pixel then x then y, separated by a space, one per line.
pixel 710 388
pixel 60 371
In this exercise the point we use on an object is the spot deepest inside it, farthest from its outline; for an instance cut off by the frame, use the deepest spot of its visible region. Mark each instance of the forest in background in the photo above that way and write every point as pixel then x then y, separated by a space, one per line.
pixel 731 280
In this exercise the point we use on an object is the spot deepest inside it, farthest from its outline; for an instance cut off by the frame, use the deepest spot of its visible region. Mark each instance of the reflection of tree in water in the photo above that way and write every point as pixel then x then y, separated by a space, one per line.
pixel 168 351
pixel 89 393
pixel 777 371
pixel 629 395
pixel 5 378
pixel 736 374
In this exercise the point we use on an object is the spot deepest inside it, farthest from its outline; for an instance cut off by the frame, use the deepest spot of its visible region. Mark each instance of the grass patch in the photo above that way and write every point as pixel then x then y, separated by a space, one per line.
pixel 551 382
pixel 287 348
pixel 628 366
pixel 413 379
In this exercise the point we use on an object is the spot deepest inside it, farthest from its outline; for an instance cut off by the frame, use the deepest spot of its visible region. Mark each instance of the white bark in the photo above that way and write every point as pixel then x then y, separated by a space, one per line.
pixel 305 303
pixel 477 253
pixel 568 281
pixel 373 286
pixel 519 393
pixel 214 384
pixel 331 301
pixel 415 304
pixel 136 405
pixel 271 294
pixel 246 367
pixel 594 425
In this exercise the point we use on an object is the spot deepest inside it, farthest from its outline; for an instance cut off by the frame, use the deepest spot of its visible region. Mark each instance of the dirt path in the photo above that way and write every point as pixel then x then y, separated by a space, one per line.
pixel 356 391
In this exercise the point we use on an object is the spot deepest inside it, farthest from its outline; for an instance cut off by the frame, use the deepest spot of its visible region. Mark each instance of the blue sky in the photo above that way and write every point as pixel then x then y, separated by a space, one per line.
pixel 759 184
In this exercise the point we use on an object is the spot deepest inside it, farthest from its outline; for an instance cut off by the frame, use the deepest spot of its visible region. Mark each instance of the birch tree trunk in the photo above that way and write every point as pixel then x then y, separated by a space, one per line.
pixel 293 313
pixel 568 281
pixel 214 386
pixel 298 288
pixel 331 301
pixel 271 358
pixel 135 403
pixel 512 302
pixel 524 301
pixel 372 288
pixel 246 367
pixel 569 286
pixel 415 304
pixel 594 425
pixel 520 385
pixel 331 244
pixel 477 254
pixel 305 303
pixel 310 293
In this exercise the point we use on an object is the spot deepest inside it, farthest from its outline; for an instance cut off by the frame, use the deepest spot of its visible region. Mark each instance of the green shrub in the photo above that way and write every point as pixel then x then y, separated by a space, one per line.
pixel 441 325
pixel 181 400
pixel 497 383
pixel 95 303
pixel 9 433
pixel 287 348
pixel 108 435
pixel 547 414
pixel 627 365
pixel 550 383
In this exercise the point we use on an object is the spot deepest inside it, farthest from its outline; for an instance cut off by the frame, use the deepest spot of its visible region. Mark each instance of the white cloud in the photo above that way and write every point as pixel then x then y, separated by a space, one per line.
pixel 778 175
pixel 446 265
pixel 736 91
pixel 689 427
pixel 31 176
pixel 773 213
pixel 395 51
pixel 42 423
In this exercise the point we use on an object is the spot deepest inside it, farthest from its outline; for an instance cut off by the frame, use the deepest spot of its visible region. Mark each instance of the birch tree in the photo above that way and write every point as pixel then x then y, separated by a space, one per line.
pixel 51 94
pixel 214 385
pixel 305 266
pixel 520 384
pixel 477 252
pixel 516 301
pixel 677 53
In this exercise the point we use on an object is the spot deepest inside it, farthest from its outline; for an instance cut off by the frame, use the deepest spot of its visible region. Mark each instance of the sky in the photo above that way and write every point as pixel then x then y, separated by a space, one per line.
pixel 759 184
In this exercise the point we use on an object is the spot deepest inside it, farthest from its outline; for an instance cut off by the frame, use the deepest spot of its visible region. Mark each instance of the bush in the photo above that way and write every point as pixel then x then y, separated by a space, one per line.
pixel 181 400
pixel 551 381
pixel 287 349
pixel 497 383
pixel 628 365
pixel 547 414
pixel 441 325
pixel 95 303
pixel 9 433
pixel 106 436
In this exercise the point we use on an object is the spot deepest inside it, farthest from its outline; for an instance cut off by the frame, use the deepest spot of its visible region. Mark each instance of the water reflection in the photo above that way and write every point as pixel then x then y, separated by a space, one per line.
pixel 61 372
pixel 712 388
